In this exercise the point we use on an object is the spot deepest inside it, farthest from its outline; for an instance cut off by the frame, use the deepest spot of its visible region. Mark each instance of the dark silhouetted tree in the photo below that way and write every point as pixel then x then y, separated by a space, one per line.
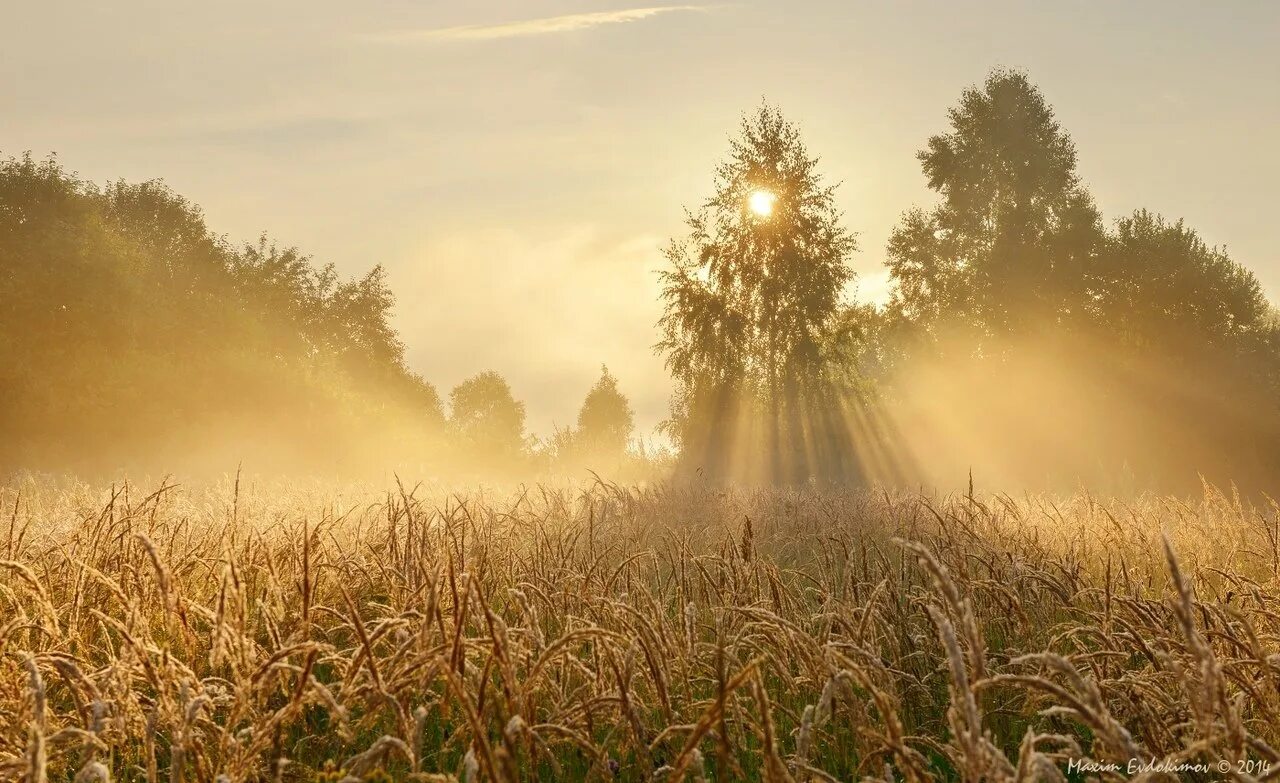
pixel 1016 244
pixel 1166 289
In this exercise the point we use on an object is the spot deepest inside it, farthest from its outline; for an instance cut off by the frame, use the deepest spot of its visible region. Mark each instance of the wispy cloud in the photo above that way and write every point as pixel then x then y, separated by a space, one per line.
pixel 528 27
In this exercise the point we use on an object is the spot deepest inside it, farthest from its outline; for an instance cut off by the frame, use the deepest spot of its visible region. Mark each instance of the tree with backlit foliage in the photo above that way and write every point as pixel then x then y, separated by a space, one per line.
pixel 756 329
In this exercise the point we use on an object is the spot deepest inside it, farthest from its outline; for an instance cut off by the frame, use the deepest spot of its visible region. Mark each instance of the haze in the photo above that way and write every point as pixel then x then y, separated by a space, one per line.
pixel 517 166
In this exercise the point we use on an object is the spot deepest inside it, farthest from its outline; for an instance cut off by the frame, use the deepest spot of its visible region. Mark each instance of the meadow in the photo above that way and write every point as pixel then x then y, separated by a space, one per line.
pixel 258 631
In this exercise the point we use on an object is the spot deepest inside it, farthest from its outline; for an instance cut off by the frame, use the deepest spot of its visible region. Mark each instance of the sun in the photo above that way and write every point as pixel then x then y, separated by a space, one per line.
pixel 761 202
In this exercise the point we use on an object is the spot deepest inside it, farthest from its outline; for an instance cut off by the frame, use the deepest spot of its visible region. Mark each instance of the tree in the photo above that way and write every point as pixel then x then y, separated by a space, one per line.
pixel 126 324
pixel 1015 239
pixel 1016 242
pixel 605 421
pixel 1012 275
pixel 486 418
pixel 753 298
pixel 1167 289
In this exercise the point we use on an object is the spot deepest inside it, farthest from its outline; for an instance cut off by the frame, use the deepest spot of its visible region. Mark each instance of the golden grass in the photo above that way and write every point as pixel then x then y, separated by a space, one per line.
pixel 660 633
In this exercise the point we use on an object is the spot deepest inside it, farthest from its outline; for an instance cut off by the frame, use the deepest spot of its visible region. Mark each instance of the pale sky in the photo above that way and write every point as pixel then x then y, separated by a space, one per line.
pixel 518 165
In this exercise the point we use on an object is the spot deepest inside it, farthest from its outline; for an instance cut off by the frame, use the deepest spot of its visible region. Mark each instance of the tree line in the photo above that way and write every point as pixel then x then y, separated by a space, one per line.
pixel 132 335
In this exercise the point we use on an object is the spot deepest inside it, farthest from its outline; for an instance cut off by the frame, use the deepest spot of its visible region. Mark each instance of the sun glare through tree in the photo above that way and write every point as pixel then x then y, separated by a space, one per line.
pixel 761 203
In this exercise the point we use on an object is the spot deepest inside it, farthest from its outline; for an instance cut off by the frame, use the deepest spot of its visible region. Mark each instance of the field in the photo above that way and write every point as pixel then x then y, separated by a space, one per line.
pixel 602 632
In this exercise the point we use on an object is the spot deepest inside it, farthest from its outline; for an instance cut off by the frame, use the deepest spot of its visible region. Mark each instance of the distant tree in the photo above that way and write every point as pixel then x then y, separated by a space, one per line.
pixel 605 421
pixel 486 418
pixel 753 298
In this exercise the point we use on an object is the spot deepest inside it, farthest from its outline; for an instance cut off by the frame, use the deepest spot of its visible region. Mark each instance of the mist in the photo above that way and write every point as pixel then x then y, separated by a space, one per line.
pixel 1065 414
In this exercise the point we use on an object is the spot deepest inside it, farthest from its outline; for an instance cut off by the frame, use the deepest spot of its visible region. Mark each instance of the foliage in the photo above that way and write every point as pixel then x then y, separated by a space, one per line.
pixel 1014 264
pixel 127 324
pixel 486 419
pixel 1169 291
pixel 1015 239
pixel 754 303
pixel 601 438
pixel 1016 245
pixel 605 421
pixel 132 335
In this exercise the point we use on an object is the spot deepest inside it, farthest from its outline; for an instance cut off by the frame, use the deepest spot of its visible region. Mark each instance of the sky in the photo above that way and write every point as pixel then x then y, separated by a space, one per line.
pixel 518 166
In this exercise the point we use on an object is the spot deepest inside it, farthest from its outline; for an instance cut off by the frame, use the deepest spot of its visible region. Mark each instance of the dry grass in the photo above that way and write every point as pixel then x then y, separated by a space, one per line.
pixel 612 633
